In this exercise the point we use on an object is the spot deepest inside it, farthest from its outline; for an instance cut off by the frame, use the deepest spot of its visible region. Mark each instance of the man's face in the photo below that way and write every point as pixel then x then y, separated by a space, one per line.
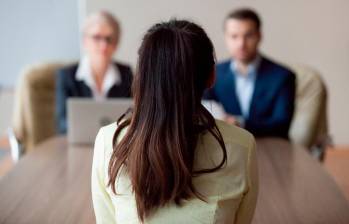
pixel 100 42
pixel 242 39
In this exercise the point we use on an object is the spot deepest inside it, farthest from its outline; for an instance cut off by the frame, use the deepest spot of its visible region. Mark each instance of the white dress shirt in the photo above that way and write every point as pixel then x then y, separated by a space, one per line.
pixel 84 73
pixel 244 84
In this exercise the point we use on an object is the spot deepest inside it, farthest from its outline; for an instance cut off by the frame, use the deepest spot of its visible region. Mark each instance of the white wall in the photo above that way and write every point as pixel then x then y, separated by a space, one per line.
pixel 314 32
pixel 31 32
pixel 35 31
pixel 6 102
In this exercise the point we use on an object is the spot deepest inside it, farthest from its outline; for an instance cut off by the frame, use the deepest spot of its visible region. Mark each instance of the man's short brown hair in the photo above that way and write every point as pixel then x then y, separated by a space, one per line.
pixel 245 14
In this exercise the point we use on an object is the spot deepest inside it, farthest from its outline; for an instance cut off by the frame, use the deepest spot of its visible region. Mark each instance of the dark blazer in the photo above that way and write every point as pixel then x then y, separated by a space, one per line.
pixel 68 86
pixel 272 103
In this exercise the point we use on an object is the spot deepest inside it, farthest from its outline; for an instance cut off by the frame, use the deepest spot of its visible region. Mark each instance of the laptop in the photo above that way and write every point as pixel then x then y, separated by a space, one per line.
pixel 86 116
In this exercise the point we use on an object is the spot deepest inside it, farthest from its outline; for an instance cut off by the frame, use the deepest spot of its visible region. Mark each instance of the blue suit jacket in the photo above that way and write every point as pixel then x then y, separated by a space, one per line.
pixel 272 103
pixel 68 86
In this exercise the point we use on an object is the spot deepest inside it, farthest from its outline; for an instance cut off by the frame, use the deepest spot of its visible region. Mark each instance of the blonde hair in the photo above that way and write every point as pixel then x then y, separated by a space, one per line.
pixel 104 17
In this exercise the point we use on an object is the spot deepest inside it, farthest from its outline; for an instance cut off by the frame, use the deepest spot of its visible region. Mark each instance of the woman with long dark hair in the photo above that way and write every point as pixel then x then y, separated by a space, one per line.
pixel 168 160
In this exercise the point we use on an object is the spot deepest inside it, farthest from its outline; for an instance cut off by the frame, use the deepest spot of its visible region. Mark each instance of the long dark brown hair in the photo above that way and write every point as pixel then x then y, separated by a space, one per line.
pixel 176 61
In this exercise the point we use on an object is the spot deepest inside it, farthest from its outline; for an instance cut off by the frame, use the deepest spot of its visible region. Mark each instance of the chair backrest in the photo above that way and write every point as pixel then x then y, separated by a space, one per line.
pixel 34 106
pixel 309 125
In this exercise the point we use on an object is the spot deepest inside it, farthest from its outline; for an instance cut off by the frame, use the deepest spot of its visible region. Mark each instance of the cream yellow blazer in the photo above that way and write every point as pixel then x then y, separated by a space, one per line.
pixel 230 192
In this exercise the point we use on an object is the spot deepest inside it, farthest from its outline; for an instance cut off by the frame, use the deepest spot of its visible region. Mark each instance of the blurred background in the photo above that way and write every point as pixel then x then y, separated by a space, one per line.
pixel 312 33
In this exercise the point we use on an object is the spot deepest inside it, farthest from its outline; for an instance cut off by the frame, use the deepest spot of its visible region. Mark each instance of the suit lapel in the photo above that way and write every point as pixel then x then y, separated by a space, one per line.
pixel 84 89
pixel 112 91
pixel 230 88
pixel 259 87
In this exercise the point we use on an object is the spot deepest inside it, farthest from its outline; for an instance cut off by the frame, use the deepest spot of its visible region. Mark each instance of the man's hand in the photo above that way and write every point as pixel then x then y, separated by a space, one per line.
pixel 235 120
pixel 230 119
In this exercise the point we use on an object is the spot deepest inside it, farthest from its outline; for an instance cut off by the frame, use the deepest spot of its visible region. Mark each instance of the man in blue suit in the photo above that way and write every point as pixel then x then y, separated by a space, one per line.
pixel 255 92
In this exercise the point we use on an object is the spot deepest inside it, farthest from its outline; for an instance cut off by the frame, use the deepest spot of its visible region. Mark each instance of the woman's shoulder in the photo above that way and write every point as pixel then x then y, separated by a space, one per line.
pixel 231 134
pixel 108 132
pixel 109 129
pixel 239 144
pixel 234 134
pixel 229 182
pixel 68 70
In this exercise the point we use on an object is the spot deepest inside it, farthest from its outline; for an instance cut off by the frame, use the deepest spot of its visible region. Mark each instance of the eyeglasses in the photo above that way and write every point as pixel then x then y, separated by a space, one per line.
pixel 100 38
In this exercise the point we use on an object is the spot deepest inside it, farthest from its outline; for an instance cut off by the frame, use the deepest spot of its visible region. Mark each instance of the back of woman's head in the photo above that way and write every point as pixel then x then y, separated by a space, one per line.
pixel 176 60
pixel 175 65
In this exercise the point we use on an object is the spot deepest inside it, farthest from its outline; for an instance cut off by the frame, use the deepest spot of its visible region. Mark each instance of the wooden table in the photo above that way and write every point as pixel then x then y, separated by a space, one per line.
pixel 295 188
pixel 52 185
pixel 49 185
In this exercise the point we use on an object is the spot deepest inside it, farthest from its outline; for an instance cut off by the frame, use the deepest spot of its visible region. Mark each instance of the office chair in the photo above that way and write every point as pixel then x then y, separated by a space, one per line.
pixel 34 107
pixel 309 126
